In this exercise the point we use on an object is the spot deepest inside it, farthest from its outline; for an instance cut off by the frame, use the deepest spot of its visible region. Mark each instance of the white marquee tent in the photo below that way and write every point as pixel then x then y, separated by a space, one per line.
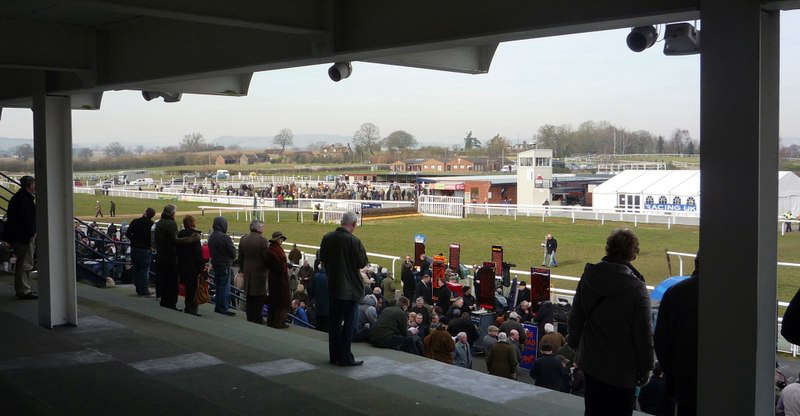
pixel 676 191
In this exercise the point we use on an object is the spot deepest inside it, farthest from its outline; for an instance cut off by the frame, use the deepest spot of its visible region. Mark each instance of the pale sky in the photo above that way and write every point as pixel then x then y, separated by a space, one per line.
pixel 561 80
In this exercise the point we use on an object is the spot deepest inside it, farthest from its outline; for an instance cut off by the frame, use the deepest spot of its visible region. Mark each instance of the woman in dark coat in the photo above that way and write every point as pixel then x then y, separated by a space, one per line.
pixel 190 263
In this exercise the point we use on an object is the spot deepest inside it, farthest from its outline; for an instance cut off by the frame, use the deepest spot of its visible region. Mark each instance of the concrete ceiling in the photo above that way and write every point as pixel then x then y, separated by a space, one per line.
pixel 213 47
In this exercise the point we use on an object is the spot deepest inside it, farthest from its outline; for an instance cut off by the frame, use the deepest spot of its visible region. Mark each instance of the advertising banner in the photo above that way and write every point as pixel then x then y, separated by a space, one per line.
pixel 497 259
pixel 455 256
pixel 531 346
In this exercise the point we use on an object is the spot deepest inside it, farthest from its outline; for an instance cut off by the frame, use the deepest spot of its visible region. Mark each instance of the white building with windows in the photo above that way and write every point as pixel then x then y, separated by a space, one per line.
pixel 676 191
pixel 534 176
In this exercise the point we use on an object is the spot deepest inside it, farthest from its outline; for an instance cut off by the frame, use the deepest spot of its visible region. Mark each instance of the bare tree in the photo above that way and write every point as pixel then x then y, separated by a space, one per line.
pixel 193 142
pixel 115 149
pixel 284 138
pixel 85 153
pixel 367 138
pixel 139 149
pixel 24 152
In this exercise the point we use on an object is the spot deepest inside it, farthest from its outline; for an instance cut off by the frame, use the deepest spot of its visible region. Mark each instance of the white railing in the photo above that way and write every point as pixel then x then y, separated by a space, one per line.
pixel 783 344
pixel 83 190
pixel 325 215
pixel 441 206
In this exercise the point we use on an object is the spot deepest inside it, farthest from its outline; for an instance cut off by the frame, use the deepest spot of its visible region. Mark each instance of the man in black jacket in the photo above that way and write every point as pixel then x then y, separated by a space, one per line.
pixel 166 236
pixel 551 245
pixel 139 234
pixel 424 289
pixel 676 341
pixel 407 277
pixel 549 372
pixel 223 252
pixel 20 232
pixel 343 256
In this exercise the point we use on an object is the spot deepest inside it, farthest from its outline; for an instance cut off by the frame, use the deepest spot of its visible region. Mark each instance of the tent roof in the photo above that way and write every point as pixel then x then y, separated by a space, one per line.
pixel 677 183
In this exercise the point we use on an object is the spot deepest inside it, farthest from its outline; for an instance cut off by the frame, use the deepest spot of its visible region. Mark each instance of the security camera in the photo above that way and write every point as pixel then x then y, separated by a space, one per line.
pixel 681 39
pixel 340 71
pixel 641 38
pixel 169 97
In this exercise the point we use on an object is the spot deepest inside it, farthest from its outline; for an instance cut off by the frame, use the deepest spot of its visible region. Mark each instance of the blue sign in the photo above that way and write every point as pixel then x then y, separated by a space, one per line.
pixel 419 238
pixel 370 205
pixel 531 346
pixel 671 207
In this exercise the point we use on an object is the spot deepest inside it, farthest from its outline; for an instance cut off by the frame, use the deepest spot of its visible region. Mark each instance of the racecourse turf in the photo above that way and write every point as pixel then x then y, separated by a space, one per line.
pixel 578 243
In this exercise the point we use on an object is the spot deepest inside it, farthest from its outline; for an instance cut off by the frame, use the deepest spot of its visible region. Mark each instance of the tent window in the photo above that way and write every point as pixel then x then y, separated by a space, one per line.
pixel 648 200
pixel 676 200
pixel 690 201
pixel 662 200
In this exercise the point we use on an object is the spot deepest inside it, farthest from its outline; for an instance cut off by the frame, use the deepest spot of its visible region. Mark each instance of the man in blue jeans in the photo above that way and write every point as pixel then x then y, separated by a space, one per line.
pixel 138 234
pixel 222 252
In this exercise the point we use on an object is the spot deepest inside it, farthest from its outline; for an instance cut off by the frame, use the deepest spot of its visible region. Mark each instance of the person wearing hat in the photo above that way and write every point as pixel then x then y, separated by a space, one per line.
pixel 278 298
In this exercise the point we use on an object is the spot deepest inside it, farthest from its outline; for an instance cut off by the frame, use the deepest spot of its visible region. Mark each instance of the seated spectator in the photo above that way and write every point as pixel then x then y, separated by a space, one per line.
pixel 513 323
pixel 789 401
pixel 548 371
pixel 421 308
pixel 439 345
pixel 299 311
pixel 367 318
pixel 552 338
pixel 464 324
pixel 501 361
pixel 457 305
pixel 463 354
pixel 391 330
pixel 653 397
pixel 523 294
pixel 301 294
pixel 422 329
pixel 524 311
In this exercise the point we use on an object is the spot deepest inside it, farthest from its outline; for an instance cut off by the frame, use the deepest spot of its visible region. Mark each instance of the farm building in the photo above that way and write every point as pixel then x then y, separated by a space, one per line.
pixel 675 191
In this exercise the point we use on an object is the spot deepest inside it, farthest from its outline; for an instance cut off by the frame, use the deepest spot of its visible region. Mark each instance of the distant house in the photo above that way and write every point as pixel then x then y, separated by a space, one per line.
pixel 231 160
pixel 414 165
pixel 219 161
pixel 432 165
pixel 521 147
pixel 250 159
pixel 398 166
pixel 459 165
pixel 244 160
pixel 335 150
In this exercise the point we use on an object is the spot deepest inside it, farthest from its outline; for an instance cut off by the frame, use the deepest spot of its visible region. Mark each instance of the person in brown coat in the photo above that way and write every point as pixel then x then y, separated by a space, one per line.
pixel 254 257
pixel 439 345
pixel 278 298
pixel 502 359
pixel 552 338
pixel 190 264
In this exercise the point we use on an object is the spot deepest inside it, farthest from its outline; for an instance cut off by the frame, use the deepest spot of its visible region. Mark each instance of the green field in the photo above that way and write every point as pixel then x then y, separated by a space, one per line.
pixel 578 243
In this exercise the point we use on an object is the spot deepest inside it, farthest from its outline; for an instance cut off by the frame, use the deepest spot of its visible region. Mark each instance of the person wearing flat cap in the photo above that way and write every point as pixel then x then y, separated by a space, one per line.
pixel 278 298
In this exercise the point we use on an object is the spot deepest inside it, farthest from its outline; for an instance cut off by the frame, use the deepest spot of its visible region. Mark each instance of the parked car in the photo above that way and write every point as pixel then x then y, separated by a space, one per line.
pixel 143 181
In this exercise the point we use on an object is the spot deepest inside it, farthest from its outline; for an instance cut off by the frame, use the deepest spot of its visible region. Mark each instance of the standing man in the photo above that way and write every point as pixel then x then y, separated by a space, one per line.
pixel 407 277
pixel 166 235
pixel 21 234
pixel 190 264
pixel 343 256
pixel 550 247
pixel 278 283
pixel 253 260
pixel 222 252
pixel 463 354
pixel 295 256
pixel 676 341
pixel 138 234
pixel 112 210
pixel 98 209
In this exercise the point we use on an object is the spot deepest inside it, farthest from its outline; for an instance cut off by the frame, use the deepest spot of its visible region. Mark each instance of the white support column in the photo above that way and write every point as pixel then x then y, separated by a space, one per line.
pixel 52 137
pixel 739 147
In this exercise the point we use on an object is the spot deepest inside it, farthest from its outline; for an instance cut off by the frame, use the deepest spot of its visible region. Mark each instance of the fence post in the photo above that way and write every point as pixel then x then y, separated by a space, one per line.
pixel 278 210
pixel 488 213
pixel 573 217
pixel 603 222
pixel 635 221
pixel 680 265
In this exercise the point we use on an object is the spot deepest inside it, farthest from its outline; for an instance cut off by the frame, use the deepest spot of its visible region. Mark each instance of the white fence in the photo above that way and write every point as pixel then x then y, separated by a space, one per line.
pixel 783 345
pixel 325 215
pixel 441 206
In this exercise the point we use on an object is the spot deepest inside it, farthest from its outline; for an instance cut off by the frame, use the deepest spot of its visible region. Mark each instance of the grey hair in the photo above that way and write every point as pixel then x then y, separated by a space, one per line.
pixel 169 209
pixel 349 218
pixel 255 225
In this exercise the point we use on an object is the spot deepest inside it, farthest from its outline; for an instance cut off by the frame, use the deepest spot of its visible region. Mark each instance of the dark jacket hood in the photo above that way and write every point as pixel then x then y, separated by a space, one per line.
pixel 607 278
pixel 220 224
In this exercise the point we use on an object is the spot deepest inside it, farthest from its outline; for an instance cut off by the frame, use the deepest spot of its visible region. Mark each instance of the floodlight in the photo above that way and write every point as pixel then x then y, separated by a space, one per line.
pixel 641 38
pixel 681 39
pixel 340 71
